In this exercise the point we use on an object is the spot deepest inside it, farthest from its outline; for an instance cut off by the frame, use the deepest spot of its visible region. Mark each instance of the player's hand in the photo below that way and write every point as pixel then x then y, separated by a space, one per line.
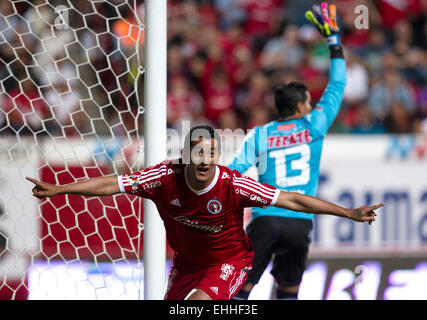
pixel 43 189
pixel 365 213
pixel 325 20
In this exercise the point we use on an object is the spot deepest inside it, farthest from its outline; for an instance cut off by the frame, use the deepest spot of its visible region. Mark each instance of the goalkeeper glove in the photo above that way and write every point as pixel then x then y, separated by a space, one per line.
pixel 325 22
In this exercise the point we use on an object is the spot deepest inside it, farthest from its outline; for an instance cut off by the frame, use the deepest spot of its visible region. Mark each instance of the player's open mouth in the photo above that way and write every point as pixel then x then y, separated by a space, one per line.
pixel 203 170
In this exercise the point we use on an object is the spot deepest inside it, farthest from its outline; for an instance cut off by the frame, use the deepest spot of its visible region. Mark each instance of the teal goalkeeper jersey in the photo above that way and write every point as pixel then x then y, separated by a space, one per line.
pixel 287 153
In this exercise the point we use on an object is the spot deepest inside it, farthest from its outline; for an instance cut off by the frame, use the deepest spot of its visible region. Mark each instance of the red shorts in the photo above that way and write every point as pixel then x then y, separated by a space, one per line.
pixel 220 282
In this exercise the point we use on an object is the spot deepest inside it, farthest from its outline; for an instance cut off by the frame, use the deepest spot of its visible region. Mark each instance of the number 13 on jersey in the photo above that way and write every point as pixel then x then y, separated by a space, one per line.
pixel 288 157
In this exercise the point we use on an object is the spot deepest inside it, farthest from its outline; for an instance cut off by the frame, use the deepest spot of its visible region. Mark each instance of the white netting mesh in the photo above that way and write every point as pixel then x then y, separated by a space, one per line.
pixel 71 74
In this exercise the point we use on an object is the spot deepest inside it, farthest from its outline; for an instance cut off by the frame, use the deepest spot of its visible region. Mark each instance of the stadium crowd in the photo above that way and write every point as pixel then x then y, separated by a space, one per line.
pixel 224 59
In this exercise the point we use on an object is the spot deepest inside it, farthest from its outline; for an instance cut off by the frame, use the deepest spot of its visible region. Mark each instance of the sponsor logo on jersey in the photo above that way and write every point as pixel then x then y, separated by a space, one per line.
pixel 225 175
pixel 194 224
pixel 214 206
pixel 285 127
pixel 243 192
pixel 226 271
pixel 257 198
pixel 292 139
pixel 152 185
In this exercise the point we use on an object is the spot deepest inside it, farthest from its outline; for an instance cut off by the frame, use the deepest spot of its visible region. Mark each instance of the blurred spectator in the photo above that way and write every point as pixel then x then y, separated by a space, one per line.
pixel 10 23
pixel 372 52
pixel 398 120
pixel 26 109
pixel 258 117
pixel 394 11
pixel 175 62
pixel 357 88
pixel 420 126
pixel 182 102
pixel 38 17
pixel 262 19
pixel 64 102
pixel 234 38
pixel 229 12
pixel 261 16
pixel 391 90
pixel 196 70
pixel 229 119
pixel 415 67
pixel 402 37
pixel 419 24
pixel 284 51
pixel 239 58
pixel 219 95
pixel 366 122
pixel 257 96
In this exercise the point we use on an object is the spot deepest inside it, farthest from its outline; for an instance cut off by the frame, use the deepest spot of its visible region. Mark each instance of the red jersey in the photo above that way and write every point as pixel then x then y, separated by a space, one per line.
pixel 204 227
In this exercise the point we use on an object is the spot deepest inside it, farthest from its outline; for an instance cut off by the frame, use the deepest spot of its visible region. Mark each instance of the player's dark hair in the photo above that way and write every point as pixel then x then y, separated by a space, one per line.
pixel 201 131
pixel 287 96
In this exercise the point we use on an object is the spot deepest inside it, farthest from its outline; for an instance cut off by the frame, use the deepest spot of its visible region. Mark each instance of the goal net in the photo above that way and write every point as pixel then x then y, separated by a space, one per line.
pixel 71 77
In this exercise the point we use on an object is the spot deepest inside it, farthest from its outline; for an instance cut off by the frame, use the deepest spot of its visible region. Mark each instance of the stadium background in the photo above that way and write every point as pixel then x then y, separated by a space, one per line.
pixel 69 110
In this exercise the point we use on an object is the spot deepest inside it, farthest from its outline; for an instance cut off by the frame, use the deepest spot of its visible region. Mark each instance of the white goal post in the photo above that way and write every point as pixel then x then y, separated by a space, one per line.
pixel 82 94
pixel 155 141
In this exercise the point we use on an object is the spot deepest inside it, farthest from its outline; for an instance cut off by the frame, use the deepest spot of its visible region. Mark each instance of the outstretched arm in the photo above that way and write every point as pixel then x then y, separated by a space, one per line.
pixel 304 203
pixel 102 186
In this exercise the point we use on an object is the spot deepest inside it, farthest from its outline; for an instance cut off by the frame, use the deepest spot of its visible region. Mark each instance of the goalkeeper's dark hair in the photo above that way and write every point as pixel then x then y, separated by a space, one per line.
pixel 287 96
pixel 201 131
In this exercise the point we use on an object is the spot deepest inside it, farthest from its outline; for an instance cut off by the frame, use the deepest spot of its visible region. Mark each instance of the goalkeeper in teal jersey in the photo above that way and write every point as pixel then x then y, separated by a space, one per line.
pixel 287 155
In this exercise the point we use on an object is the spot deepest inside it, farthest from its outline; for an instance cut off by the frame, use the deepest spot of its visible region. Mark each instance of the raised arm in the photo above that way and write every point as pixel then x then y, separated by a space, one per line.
pixel 102 186
pixel 305 203
pixel 329 104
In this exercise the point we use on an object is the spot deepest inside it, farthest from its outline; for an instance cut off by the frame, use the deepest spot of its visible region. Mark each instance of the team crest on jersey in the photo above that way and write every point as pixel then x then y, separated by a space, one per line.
pixel 214 206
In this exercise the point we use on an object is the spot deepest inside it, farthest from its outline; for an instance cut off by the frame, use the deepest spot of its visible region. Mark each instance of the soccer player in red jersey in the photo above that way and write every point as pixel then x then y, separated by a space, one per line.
pixel 201 204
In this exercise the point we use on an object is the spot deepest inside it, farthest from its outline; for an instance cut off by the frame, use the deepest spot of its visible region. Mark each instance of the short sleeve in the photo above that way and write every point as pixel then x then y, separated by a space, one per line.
pixel 251 193
pixel 145 183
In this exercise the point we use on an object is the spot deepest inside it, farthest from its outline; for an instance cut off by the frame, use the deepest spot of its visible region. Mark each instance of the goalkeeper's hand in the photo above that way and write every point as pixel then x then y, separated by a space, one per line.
pixel 326 22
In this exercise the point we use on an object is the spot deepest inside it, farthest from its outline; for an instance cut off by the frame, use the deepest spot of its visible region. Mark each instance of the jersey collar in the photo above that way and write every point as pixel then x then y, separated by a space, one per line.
pixel 208 188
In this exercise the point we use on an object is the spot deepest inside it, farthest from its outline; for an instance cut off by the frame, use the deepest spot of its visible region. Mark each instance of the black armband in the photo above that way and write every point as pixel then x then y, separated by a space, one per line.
pixel 337 52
